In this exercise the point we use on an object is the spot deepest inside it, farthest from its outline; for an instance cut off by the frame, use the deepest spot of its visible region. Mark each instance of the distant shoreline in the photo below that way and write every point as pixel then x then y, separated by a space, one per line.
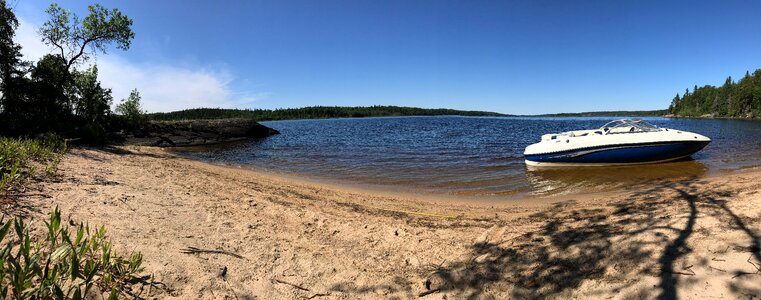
pixel 708 117
pixel 348 112
pixel 312 112
pixel 615 113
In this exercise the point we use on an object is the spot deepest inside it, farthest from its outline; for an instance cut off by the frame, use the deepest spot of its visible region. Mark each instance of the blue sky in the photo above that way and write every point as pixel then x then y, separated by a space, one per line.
pixel 519 57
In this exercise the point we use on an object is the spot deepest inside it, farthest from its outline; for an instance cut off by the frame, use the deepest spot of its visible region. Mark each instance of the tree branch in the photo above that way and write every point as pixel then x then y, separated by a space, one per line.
pixel 59 47
pixel 81 51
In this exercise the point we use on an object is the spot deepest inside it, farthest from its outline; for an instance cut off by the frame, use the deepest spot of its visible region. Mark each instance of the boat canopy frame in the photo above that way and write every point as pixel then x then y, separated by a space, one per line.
pixel 630 126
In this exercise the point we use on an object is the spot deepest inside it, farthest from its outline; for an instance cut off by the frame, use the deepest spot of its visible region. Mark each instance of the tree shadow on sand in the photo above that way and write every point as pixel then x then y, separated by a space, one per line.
pixel 645 234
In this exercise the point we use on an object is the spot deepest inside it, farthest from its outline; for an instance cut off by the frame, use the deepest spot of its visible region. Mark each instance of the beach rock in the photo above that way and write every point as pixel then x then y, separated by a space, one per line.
pixel 196 132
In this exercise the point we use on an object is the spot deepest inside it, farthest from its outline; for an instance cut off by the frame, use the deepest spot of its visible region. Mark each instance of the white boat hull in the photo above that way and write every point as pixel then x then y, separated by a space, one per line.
pixel 615 149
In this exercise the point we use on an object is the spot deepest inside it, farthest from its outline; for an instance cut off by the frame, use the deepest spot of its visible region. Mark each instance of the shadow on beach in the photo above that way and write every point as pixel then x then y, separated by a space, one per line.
pixel 648 234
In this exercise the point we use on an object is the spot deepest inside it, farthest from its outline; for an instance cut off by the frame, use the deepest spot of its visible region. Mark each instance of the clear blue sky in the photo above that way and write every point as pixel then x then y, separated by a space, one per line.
pixel 521 57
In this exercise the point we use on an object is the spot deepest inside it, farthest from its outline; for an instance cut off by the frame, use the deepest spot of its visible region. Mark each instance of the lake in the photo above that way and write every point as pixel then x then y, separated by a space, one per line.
pixel 477 156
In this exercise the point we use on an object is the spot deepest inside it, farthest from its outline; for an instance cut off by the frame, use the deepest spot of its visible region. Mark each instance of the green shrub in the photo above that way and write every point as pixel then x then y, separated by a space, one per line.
pixel 20 157
pixel 63 264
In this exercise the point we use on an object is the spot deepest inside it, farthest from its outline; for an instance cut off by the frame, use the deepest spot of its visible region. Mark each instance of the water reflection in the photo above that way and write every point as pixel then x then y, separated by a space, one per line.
pixel 562 180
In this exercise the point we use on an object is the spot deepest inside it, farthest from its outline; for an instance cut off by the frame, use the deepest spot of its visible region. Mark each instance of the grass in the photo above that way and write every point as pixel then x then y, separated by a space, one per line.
pixel 63 264
pixel 21 158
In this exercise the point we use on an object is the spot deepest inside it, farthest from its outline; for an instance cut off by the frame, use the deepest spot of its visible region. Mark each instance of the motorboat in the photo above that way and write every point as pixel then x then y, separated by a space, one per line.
pixel 619 142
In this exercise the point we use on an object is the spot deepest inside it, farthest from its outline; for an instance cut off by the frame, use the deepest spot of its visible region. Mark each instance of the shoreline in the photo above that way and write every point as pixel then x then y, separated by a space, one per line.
pixel 403 191
pixel 301 238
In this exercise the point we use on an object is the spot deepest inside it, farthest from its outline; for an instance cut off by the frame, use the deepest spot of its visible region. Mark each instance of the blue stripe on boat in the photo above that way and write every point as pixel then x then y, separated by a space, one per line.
pixel 617 154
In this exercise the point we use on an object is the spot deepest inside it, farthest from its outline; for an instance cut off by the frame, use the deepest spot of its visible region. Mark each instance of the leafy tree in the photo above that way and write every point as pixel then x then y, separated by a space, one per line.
pixel 130 108
pixel 93 101
pixel 72 38
pixel 48 71
pixel 47 106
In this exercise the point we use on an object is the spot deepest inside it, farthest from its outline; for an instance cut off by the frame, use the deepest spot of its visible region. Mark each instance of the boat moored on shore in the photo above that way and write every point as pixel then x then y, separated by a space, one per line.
pixel 620 142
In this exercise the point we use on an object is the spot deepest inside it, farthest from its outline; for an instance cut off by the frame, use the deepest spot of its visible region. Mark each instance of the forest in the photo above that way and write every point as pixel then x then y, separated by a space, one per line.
pixel 741 99
pixel 616 113
pixel 313 112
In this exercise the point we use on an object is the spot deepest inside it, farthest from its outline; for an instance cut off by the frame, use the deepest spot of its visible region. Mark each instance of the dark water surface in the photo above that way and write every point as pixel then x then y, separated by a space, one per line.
pixel 470 155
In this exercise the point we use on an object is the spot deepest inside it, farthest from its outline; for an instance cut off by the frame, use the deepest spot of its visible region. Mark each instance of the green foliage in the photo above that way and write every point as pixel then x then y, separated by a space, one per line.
pixel 53 95
pixel 71 37
pixel 91 106
pixel 18 158
pixel 94 101
pixel 63 264
pixel 313 112
pixel 131 110
pixel 740 99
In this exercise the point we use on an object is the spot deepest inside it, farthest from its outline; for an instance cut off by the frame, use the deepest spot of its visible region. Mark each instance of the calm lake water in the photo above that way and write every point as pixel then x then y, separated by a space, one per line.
pixel 480 156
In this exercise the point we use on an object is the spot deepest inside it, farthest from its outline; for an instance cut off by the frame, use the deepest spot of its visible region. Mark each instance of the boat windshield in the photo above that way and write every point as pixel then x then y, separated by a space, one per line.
pixel 628 125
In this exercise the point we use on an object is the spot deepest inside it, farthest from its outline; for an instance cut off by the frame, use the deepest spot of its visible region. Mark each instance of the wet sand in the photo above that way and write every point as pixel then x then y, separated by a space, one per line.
pixel 693 239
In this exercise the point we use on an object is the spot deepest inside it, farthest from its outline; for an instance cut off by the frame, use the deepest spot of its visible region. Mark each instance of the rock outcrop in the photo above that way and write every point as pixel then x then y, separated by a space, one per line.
pixel 196 132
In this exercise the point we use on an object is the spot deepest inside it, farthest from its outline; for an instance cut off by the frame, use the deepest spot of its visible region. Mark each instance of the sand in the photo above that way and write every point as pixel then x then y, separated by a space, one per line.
pixel 302 239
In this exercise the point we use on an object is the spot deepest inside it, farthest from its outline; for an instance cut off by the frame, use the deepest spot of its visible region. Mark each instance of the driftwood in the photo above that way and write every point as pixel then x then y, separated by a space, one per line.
pixel 758 269
pixel 717 269
pixel 315 295
pixel 194 250
pixel 688 269
pixel 291 284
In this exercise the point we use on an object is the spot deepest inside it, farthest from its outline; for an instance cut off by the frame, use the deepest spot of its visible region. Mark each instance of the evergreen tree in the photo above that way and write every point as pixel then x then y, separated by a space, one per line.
pixel 11 65
pixel 740 99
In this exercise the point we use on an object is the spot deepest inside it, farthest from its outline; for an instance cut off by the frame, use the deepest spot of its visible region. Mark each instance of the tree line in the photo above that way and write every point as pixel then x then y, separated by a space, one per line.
pixel 615 113
pixel 313 112
pixel 740 99
pixel 60 92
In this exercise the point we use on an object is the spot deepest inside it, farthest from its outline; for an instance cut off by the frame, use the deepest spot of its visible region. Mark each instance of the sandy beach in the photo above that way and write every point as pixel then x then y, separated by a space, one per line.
pixel 286 237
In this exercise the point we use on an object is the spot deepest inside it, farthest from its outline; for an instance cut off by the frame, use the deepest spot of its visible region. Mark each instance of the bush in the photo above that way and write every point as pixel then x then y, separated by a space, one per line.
pixel 62 265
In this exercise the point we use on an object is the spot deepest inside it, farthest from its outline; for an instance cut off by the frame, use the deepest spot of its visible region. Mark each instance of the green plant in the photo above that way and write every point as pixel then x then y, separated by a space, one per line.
pixel 9 176
pixel 21 157
pixel 132 110
pixel 62 264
